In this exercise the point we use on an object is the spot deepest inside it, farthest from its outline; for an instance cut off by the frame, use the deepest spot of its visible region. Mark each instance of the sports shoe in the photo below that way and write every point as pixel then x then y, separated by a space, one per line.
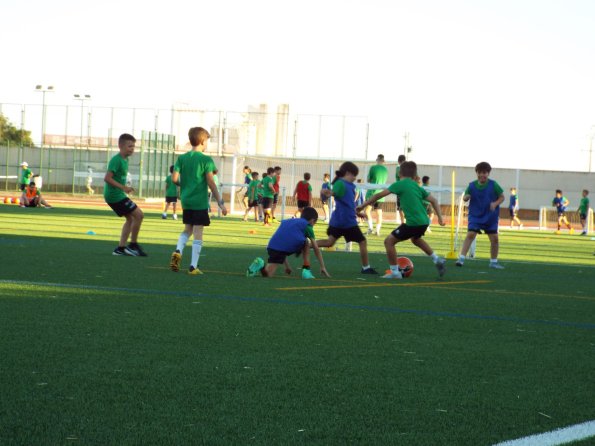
pixel 194 271
pixel 369 271
pixel 557 232
pixel 174 262
pixel 369 231
pixel 307 274
pixel 136 250
pixel 255 267
pixel 164 216
pixel 441 267
pixel 584 233
pixel 274 220
pixel 496 265
pixel 459 263
pixel 392 275
pixel 571 231
pixel 175 216
pixel 119 251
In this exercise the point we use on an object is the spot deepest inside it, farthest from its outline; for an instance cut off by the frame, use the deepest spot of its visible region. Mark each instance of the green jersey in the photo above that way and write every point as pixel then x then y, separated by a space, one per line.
pixel 497 189
pixel 412 196
pixel 584 206
pixel 398 172
pixel 253 190
pixel 171 190
pixel 378 174
pixel 267 192
pixel 193 167
pixel 26 176
pixel 119 167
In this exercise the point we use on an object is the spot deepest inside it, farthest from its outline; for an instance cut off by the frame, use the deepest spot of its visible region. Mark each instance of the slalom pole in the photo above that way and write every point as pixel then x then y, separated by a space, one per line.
pixel 452 254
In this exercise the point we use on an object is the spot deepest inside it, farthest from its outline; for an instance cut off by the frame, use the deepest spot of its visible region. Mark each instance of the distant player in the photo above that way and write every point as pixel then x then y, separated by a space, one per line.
pixel 583 211
pixel 412 200
pixel 513 208
pixel 294 236
pixel 26 175
pixel 326 185
pixel 425 183
pixel 378 174
pixel 89 181
pixel 344 219
pixel 268 195
pixel 247 179
pixel 252 194
pixel 400 160
pixel 115 195
pixel 560 202
pixel 485 197
pixel 171 195
pixel 276 195
pixel 193 171
pixel 303 194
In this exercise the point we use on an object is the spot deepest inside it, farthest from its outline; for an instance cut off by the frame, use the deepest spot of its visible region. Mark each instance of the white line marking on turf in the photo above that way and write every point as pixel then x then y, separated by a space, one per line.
pixel 557 437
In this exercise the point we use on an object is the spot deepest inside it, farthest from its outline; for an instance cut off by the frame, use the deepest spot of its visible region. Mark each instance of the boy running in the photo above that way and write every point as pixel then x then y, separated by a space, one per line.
pixel 485 197
pixel 513 208
pixel 560 202
pixel 193 171
pixel 294 236
pixel 583 211
pixel 303 194
pixel 115 195
pixel 412 197
pixel 268 195
pixel 378 174
pixel 252 195
pixel 171 195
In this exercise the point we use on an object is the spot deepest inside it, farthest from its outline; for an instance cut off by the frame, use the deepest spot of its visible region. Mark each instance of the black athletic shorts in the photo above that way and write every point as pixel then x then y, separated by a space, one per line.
pixel 196 218
pixel 302 204
pixel 123 207
pixel 405 232
pixel 276 198
pixel 279 257
pixel 266 202
pixel 378 205
pixel 171 199
pixel 253 204
pixel 353 234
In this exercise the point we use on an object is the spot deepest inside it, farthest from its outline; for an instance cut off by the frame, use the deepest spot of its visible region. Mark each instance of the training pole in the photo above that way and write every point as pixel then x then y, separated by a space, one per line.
pixel 452 254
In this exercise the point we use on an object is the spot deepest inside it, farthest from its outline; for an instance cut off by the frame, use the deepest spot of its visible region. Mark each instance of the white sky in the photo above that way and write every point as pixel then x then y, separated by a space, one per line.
pixel 511 82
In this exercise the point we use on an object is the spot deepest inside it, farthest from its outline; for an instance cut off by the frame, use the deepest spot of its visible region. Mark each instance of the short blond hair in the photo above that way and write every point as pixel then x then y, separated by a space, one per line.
pixel 198 136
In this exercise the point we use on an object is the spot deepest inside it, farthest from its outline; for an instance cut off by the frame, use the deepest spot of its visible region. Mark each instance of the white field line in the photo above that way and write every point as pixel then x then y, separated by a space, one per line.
pixel 556 437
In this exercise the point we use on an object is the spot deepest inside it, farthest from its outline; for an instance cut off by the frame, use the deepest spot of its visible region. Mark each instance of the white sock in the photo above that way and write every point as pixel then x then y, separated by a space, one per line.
pixel 493 260
pixel 182 239
pixel 461 258
pixel 366 267
pixel 371 225
pixel 196 248
pixel 434 257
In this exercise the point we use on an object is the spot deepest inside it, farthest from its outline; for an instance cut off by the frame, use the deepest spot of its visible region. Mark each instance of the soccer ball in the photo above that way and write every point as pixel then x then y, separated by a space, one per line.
pixel 405 266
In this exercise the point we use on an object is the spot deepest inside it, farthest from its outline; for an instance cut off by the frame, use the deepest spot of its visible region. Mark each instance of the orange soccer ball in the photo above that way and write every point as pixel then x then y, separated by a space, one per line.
pixel 6 200
pixel 405 266
pixel 16 200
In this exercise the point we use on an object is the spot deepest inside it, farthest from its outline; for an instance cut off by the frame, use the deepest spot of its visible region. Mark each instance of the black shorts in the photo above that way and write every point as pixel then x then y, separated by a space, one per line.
pixel 33 203
pixel 583 216
pixel 253 204
pixel 512 212
pixel 171 199
pixel 196 218
pixel 266 202
pixel 123 207
pixel 353 234
pixel 405 232
pixel 280 256
pixel 378 205
pixel 276 198
pixel 302 204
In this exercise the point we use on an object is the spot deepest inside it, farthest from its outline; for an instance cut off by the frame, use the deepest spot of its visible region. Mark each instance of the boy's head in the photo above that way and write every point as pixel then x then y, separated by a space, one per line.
pixel 198 137
pixel 585 192
pixel 483 167
pixel 425 180
pixel 265 174
pixel 277 170
pixel 513 190
pixel 171 169
pixel 32 184
pixel 408 170
pixel 24 164
pixel 247 169
pixel 401 159
pixel 270 170
pixel 307 176
pixel 380 158
pixel 310 215
pixel 558 193
pixel 326 177
pixel 126 143
pixel 255 175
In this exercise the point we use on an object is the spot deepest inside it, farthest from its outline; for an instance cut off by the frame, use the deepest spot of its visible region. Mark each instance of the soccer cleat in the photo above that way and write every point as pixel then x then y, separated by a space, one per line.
pixel 164 216
pixel 496 265
pixel 369 271
pixel 255 267
pixel 194 271
pixel 274 220
pixel 175 216
pixel 307 274
pixel 392 275
pixel 584 233
pixel 441 267
pixel 119 251
pixel 174 263
pixel 136 250
pixel 369 231
pixel 459 263
pixel 571 231
pixel 557 232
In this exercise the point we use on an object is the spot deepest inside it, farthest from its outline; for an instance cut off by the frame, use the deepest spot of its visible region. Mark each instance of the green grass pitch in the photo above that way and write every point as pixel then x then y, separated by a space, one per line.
pixel 97 349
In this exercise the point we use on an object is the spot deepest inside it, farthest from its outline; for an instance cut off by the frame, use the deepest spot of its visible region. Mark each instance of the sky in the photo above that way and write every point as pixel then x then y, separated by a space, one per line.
pixel 511 82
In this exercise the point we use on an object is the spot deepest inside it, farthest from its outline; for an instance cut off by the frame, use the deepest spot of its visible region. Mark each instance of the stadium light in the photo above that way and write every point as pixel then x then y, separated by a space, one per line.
pixel 82 98
pixel 43 90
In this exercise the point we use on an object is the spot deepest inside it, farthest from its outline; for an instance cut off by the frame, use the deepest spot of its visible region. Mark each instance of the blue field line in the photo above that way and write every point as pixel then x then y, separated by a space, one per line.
pixel 588 326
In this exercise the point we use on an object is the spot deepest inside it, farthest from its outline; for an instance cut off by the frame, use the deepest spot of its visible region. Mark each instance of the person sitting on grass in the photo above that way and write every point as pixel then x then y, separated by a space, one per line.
pixel 32 198
pixel 294 236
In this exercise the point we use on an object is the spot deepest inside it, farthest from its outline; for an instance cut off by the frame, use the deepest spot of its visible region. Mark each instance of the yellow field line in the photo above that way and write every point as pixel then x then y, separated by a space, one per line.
pixel 380 284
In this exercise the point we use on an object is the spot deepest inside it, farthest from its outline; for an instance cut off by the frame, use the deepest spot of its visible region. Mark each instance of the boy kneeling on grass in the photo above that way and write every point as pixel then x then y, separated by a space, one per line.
pixel 294 236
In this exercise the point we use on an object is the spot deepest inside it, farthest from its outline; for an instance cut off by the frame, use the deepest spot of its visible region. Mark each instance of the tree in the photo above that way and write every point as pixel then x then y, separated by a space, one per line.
pixel 9 134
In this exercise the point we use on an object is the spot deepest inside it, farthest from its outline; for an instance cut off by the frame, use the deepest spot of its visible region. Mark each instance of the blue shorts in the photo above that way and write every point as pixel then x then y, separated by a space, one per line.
pixel 485 228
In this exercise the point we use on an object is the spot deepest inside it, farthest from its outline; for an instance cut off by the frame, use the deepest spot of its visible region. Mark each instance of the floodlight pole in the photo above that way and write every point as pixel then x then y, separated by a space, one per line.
pixel 82 98
pixel 43 90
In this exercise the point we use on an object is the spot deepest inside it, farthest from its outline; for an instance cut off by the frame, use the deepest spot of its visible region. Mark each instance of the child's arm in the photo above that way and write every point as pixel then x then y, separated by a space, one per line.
pixel 309 197
pixel 498 202
pixel 109 179
pixel 215 191
pixel 436 207
pixel 373 199
pixel 318 255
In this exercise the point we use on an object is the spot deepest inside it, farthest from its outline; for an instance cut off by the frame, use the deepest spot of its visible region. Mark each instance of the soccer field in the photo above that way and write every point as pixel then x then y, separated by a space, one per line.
pixel 97 349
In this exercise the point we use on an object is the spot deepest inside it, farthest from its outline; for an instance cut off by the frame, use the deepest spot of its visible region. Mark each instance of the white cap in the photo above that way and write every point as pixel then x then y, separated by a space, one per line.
pixel 24 163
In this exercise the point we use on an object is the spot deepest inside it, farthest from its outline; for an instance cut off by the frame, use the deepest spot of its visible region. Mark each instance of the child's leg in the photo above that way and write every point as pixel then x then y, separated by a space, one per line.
pixel 363 253
pixel 467 243
pixel 391 249
pixel 325 210
pixel 379 220
pixel 269 269
pixel 136 221
pixel 255 213
pixel 423 245
pixel 328 243
pixel 306 255
pixel 368 212
pixel 197 231
pixel 267 216
pixel 183 238
pixel 494 246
